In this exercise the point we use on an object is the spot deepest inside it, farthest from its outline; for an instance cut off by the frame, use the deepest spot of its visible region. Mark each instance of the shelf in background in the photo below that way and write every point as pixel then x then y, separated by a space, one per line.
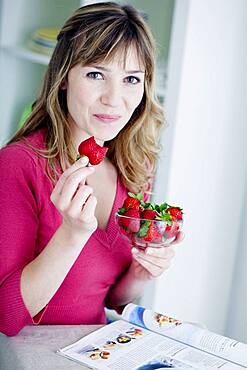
pixel 24 53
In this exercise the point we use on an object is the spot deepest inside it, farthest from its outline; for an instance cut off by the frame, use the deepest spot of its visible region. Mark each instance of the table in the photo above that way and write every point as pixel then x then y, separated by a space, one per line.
pixel 34 348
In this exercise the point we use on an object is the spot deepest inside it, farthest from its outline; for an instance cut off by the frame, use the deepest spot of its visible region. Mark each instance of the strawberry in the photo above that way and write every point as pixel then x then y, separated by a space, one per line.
pixel 131 224
pixel 92 150
pixel 176 213
pixel 172 230
pixel 123 231
pixel 153 234
pixel 131 203
pixel 148 214
pixel 149 222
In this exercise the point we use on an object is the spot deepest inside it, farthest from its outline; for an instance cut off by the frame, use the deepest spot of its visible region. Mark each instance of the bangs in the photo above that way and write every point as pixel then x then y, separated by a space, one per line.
pixel 115 37
pixel 123 49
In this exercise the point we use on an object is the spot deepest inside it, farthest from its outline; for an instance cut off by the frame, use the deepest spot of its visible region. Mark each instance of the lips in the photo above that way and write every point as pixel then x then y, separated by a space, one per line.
pixel 107 117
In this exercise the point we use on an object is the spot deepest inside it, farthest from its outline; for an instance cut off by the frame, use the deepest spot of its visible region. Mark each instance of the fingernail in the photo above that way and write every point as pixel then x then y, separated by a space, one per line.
pixel 84 160
pixel 135 251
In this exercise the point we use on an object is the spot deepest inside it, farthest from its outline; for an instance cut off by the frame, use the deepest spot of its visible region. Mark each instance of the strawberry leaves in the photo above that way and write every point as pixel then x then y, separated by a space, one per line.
pixel 140 220
pixel 136 196
pixel 144 229
pixel 163 212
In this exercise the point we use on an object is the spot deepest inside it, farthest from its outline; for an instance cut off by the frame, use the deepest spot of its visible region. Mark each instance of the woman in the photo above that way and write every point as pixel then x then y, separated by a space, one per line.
pixel 64 260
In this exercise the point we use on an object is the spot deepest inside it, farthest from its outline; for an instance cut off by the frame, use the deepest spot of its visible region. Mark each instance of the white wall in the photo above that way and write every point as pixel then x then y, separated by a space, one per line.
pixel 207 110
pixel 236 325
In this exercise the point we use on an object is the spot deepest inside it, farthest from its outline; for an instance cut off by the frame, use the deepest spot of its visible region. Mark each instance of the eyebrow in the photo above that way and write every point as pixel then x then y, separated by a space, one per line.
pixel 108 70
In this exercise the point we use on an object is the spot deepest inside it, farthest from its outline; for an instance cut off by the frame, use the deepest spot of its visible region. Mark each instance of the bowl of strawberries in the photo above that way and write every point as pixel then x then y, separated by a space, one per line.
pixel 148 224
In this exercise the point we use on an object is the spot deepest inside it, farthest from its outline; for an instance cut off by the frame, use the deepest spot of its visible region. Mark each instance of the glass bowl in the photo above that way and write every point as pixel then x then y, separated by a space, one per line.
pixel 144 233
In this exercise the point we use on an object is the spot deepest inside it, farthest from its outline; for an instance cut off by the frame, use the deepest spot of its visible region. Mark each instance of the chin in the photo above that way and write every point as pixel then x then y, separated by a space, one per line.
pixel 106 136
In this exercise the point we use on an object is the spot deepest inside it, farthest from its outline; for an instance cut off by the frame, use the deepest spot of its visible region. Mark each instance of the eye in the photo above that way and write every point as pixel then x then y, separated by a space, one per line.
pixel 95 75
pixel 132 80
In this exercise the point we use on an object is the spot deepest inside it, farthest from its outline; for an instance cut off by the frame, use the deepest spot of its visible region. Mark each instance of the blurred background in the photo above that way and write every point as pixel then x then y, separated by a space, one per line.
pixel 201 79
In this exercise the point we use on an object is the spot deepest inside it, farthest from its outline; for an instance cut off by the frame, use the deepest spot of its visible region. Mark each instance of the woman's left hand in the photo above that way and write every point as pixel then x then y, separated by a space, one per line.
pixel 152 262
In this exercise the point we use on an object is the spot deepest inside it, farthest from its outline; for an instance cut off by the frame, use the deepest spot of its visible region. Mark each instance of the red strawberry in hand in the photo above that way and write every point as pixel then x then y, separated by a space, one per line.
pixel 176 213
pixel 92 150
pixel 131 224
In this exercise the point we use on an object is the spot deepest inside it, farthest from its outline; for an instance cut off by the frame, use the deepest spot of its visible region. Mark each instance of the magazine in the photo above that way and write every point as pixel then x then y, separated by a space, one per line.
pixel 144 339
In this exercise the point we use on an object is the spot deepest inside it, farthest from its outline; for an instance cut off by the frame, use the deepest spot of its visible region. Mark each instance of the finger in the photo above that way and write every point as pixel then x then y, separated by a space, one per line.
pixel 79 200
pixel 83 162
pixel 73 182
pixel 89 209
pixel 70 187
pixel 162 252
pixel 76 166
pixel 153 269
pixel 157 261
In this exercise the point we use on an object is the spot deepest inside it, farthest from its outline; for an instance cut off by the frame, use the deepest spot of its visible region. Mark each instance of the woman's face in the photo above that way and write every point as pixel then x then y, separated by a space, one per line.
pixel 101 98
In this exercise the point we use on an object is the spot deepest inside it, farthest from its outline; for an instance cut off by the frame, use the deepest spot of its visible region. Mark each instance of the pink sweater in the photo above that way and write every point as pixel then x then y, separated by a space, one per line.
pixel 28 220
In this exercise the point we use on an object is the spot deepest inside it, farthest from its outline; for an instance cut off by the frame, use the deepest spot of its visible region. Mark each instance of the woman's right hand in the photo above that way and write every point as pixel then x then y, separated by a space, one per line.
pixel 75 200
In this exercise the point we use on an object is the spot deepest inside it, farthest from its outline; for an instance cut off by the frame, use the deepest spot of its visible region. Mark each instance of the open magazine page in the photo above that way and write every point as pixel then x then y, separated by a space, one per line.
pixel 188 333
pixel 124 346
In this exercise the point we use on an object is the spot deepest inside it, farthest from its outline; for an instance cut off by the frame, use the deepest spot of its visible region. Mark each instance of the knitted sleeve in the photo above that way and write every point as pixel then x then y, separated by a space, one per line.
pixel 19 212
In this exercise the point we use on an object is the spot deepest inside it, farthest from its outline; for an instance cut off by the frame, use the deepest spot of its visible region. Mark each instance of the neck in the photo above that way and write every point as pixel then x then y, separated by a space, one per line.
pixel 79 135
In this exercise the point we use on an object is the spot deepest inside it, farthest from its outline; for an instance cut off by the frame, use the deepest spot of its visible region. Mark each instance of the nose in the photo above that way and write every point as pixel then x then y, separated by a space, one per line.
pixel 111 95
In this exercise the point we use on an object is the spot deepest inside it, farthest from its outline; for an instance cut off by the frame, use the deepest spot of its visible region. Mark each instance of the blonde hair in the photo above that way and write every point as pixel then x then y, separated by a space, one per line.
pixel 94 33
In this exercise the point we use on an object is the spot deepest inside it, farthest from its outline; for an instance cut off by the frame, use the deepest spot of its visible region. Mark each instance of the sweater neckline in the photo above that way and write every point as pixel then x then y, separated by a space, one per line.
pixel 108 235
